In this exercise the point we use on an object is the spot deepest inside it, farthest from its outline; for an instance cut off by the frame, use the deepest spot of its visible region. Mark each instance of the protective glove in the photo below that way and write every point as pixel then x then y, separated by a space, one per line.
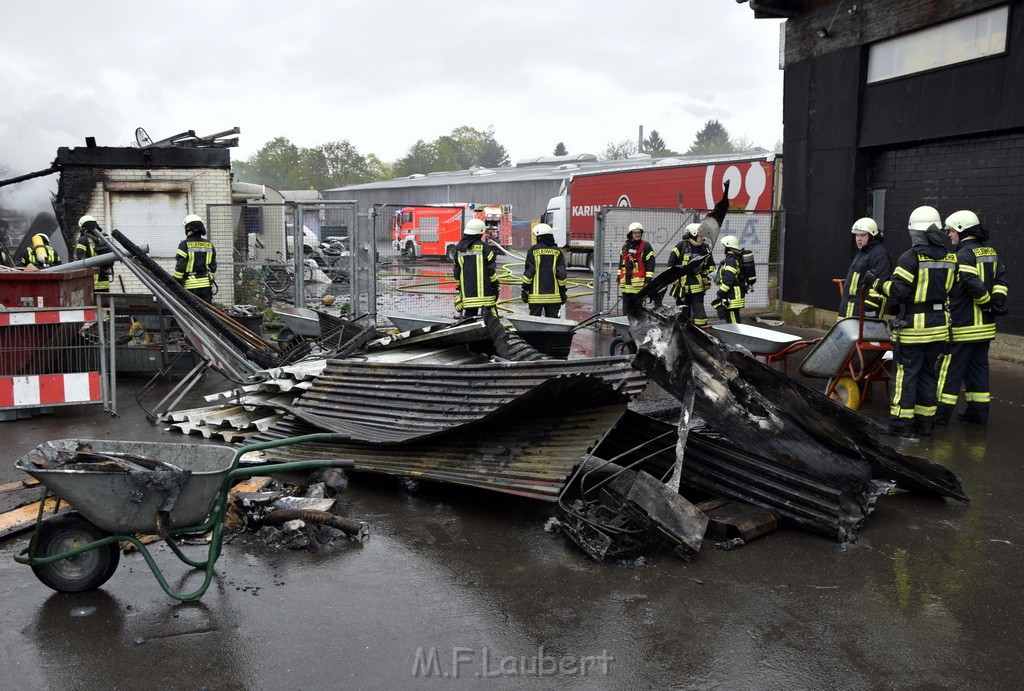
pixel 564 294
pixel 524 295
pixel 870 280
pixel 999 305
pixel 751 282
pixel 496 287
pixel 720 309
pixel 647 279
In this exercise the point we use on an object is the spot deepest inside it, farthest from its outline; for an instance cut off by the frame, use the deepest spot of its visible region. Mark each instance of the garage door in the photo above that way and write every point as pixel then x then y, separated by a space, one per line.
pixel 150 218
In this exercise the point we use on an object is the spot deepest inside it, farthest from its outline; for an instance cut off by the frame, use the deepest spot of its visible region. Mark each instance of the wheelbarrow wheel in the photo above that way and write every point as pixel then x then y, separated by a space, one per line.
pixel 847 392
pixel 621 346
pixel 86 571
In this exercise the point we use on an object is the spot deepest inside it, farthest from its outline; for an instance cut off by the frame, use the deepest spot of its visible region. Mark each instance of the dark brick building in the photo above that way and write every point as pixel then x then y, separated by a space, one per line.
pixel 891 105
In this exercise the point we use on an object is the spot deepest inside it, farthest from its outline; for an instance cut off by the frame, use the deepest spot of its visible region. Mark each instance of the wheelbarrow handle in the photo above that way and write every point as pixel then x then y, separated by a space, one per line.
pixel 320 436
pixel 239 473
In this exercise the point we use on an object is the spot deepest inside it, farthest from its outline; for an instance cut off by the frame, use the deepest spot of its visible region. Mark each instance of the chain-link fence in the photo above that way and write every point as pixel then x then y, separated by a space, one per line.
pixel 414 259
pixel 758 231
pixel 263 268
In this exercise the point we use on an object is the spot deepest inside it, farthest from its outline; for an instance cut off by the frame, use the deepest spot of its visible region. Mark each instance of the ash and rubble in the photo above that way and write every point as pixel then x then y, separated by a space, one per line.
pixel 689 440
pixel 740 449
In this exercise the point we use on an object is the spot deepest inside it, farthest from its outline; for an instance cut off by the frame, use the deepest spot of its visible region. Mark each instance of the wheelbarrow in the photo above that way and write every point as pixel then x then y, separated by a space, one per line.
pixel 122 489
pixel 773 346
pixel 622 343
pixel 853 354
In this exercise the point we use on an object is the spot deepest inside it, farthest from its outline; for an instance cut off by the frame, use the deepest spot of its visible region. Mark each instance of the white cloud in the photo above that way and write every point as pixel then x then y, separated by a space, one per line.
pixel 383 73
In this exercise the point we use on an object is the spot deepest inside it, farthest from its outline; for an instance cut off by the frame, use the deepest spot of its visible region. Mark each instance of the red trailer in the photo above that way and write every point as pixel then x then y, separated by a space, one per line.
pixel 755 185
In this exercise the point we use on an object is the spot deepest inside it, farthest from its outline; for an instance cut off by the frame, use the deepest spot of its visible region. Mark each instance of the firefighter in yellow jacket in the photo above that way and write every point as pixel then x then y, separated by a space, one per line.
pixel 690 289
pixel 196 265
pixel 39 253
pixel 732 287
pixel 475 271
pixel 919 288
pixel 90 246
pixel 636 265
pixel 544 274
pixel 977 299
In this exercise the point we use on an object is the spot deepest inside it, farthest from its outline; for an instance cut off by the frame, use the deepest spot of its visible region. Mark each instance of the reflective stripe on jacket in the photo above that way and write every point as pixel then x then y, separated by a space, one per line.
pixel 86 248
pixel 980 276
pixel 692 283
pixel 730 282
pixel 196 263
pixel 544 274
pixel 872 256
pixel 920 284
pixel 636 265
pixel 475 273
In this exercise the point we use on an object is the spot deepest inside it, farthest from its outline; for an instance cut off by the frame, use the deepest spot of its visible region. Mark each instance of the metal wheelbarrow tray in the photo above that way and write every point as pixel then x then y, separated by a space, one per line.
pixel 826 358
pixel 301 320
pixel 851 356
pixel 773 346
pixel 121 488
pixel 129 502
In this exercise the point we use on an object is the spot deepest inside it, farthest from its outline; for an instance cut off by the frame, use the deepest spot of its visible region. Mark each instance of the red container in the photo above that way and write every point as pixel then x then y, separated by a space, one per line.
pixel 57 289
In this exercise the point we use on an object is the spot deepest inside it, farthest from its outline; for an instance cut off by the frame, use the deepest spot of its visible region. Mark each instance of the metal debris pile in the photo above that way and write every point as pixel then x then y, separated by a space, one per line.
pixel 472 403
pixel 753 445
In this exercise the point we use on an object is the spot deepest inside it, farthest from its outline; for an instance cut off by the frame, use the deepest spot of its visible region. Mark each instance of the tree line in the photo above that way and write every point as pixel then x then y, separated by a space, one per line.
pixel 284 165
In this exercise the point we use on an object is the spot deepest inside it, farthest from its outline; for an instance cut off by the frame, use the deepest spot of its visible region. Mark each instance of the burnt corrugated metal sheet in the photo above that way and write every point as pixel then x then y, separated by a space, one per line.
pixel 401 402
pixel 714 466
pixel 526 456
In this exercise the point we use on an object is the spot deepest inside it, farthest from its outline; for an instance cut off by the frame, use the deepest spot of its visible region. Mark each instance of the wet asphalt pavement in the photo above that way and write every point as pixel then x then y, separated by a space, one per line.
pixel 456 588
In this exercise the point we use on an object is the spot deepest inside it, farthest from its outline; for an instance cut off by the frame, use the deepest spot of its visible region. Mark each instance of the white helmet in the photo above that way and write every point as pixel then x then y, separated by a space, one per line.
pixel 693 230
pixel 86 219
pixel 191 218
pixel 731 242
pixel 962 220
pixel 865 225
pixel 636 225
pixel 542 229
pixel 474 226
pixel 923 218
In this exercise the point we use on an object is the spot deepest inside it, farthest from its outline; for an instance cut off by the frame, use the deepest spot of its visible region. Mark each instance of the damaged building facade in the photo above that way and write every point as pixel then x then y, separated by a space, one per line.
pixel 145 193
pixel 889 106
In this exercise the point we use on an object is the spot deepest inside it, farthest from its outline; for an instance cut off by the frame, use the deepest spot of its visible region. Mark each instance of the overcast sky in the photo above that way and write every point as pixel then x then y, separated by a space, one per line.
pixel 380 73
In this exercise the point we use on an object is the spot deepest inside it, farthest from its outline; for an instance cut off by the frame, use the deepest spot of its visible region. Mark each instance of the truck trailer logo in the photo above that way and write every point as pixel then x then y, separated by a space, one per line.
pixel 623 200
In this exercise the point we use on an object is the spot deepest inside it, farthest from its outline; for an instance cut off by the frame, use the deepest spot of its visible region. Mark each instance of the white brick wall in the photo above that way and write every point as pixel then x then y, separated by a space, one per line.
pixel 203 186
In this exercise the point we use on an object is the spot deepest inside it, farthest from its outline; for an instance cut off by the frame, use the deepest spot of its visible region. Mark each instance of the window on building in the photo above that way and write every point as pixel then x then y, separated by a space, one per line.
pixel 978 36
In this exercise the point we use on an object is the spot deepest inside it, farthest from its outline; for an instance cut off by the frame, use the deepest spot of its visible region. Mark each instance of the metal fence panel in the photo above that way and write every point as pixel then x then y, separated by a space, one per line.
pixel 406 283
pixel 262 269
pixel 758 231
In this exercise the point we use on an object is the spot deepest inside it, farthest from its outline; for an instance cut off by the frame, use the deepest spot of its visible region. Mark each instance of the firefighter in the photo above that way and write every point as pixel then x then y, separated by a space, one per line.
pixel 689 290
pixel 978 297
pixel 732 287
pixel 90 246
pixel 636 265
pixel 39 253
pixel 544 276
pixel 196 265
pixel 871 255
pixel 918 288
pixel 475 271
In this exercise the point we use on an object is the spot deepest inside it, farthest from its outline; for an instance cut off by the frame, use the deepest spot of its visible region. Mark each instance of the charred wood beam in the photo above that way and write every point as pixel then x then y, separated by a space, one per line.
pixel 28 176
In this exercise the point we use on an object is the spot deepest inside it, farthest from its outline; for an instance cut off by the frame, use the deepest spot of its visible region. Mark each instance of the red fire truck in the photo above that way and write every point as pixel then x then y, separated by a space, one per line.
pixel 435 230
pixel 755 184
